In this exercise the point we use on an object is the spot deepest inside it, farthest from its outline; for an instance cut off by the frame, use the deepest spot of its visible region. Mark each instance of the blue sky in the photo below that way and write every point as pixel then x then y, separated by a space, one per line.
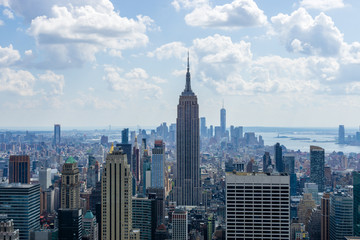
pixel 100 62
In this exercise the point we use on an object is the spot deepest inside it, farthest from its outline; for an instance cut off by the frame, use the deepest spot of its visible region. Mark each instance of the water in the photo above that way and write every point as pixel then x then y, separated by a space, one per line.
pixel 302 138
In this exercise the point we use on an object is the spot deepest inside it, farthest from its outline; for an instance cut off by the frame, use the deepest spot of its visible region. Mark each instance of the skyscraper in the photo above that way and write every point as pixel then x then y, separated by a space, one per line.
pixel 21 202
pixel 223 121
pixel 158 165
pixel 325 214
pixel 266 161
pixel 317 163
pixel 116 209
pixel 341 139
pixel 135 165
pixel 125 136
pixel 356 189
pixel 19 169
pixel 45 178
pixel 188 182
pixel 70 185
pixel 144 216
pixel 70 224
pixel 180 225
pixel 203 129
pixel 257 206
pixel 341 216
pixel 279 165
pixel 56 140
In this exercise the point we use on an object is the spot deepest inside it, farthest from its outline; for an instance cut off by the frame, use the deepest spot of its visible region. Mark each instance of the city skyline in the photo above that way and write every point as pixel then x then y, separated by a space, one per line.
pixel 263 59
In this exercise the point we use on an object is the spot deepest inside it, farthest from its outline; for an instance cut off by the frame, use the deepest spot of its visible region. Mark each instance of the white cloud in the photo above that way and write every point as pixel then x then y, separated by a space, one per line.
pixel 134 83
pixel 239 13
pixel 72 32
pixel 9 14
pixel 28 52
pixel 56 81
pixel 188 4
pixel 322 5
pixel 18 82
pixel 1 22
pixel 173 49
pixel 86 100
pixel 300 32
pixel 8 56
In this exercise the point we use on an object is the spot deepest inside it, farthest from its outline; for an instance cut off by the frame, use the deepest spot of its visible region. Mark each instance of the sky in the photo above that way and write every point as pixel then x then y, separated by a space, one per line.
pixel 97 63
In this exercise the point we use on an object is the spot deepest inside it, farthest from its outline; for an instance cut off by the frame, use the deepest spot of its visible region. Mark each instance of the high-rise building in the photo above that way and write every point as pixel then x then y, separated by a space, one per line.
pixel 266 161
pixel 341 216
pixel 289 168
pixel 125 136
pixel 70 185
pixel 223 121
pixel 158 164
pixel 135 165
pixel 70 224
pixel 305 208
pixel 257 206
pixel 19 169
pixel 116 209
pixel 356 189
pixel 144 216
pixel 45 178
pixel 203 129
pixel 211 131
pixel 188 182
pixel 126 147
pixel 21 202
pixel 237 135
pixel 279 165
pixel 90 226
pixel 341 137
pixel 325 214
pixel 317 164
pixel 7 230
pixel 180 224
pixel 158 194
pixel 56 140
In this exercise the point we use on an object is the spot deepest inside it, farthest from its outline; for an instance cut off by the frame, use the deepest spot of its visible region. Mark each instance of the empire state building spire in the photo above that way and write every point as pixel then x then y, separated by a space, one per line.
pixel 187 91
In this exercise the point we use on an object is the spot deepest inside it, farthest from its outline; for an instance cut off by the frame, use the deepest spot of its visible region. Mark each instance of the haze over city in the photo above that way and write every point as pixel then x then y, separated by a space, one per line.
pixel 122 63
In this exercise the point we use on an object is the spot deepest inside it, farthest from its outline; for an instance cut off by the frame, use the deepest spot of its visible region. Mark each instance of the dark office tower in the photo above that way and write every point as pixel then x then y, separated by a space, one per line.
pixel 266 161
pixel 70 224
pixel 159 195
pixel 135 165
pixel 341 134
pixel 21 202
pixel 223 121
pixel 356 189
pixel 325 214
pixel 341 216
pixel 289 168
pixel 126 147
pixel 188 183
pixel 19 169
pixel 56 140
pixel 203 129
pixel 317 162
pixel 125 136
pixel 144 216
pixel 279 165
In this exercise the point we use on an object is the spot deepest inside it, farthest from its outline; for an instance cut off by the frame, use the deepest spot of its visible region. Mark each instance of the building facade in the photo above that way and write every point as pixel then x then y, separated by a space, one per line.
pixel 7 230
pixel 180 225
pixel 45 178
pixel 257 206
pixel 188 182
pixel 356 189
pixel 70 224
pixel 317 164
pixel 144 216
pixel 116 205
pixel 21 202
pixel 19 169
pixel 158 165
pixel 70 185
pixel 325 214
pixel 341 216
pixel 279 164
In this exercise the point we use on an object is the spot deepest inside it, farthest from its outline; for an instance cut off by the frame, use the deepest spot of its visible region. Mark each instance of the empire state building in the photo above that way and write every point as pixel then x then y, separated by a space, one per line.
pixel 188 184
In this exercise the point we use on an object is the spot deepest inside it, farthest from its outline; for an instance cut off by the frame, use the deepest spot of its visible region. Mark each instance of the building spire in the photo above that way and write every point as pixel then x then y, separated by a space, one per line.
pixel 188 90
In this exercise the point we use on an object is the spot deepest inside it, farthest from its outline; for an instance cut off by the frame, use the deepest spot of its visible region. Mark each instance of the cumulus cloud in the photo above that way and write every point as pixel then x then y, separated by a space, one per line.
pixel 133 83
pixel 229 68
pixel 73 32
pixel 8 13
pixel 8 56
pixel 56 82
pixel 237 14
pixel 322 5
pixel 18 82
pixel 188 4
pixel 302 33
